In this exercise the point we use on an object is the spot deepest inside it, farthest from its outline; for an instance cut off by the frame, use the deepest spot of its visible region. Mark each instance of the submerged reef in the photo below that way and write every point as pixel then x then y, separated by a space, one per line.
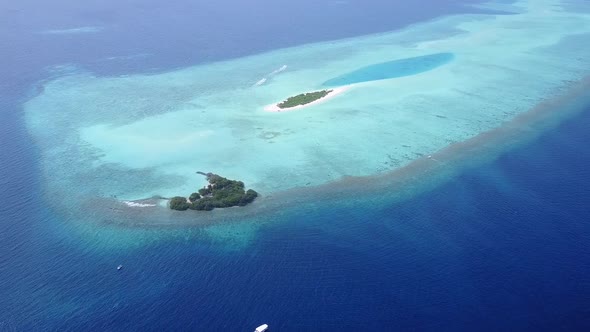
pixel 219 193
pixel 303 99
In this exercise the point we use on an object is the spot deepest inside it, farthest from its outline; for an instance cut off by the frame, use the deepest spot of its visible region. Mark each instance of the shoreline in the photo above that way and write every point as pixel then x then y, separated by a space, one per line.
pixel 392 186
pixel 333 93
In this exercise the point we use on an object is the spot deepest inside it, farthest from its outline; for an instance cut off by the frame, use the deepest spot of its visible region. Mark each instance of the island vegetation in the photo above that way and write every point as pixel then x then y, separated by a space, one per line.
pixel 219 193
pixel 303 99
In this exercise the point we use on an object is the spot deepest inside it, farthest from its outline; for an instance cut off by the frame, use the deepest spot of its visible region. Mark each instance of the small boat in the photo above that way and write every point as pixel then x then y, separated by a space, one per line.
pixel 120 267
pixel 261 328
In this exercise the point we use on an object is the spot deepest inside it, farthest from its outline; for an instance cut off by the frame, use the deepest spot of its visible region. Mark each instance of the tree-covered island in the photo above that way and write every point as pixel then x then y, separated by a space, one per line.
pixel 219 193
pixel 303 99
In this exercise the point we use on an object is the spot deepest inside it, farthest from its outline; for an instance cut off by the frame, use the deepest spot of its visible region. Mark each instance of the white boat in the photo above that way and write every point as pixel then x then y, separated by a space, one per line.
pixel 261 328
pixel 120 267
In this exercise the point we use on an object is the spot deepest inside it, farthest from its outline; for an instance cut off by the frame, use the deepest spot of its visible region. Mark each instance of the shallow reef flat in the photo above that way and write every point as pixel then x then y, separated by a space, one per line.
pixel 139 136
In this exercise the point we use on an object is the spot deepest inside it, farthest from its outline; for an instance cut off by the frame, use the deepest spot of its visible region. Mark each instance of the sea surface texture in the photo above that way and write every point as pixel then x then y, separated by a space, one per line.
pixel 445 190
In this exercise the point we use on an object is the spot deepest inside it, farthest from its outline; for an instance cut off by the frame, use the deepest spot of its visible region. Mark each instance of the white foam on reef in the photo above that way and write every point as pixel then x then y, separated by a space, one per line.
pixel 138 136
pixel 135 204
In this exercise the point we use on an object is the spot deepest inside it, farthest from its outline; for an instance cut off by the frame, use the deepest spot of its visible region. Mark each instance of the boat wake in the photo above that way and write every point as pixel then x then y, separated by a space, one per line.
pixel 273 73
pixel 262 81
pixel 283 68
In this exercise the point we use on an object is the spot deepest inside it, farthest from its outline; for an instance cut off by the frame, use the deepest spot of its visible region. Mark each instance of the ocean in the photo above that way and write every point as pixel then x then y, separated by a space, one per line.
pixel 501 244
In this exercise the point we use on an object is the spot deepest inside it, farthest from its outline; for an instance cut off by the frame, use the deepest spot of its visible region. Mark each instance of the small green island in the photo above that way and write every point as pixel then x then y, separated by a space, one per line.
pixel 219 193
pixel 303 99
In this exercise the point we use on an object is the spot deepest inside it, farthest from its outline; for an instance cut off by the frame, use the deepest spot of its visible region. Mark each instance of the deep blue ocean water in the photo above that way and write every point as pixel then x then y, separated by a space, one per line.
pixel 504 246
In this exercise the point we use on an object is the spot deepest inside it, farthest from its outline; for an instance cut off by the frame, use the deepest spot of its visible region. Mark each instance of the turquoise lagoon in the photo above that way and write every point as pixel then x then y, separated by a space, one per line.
pixel 392 69
pixel 104 140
